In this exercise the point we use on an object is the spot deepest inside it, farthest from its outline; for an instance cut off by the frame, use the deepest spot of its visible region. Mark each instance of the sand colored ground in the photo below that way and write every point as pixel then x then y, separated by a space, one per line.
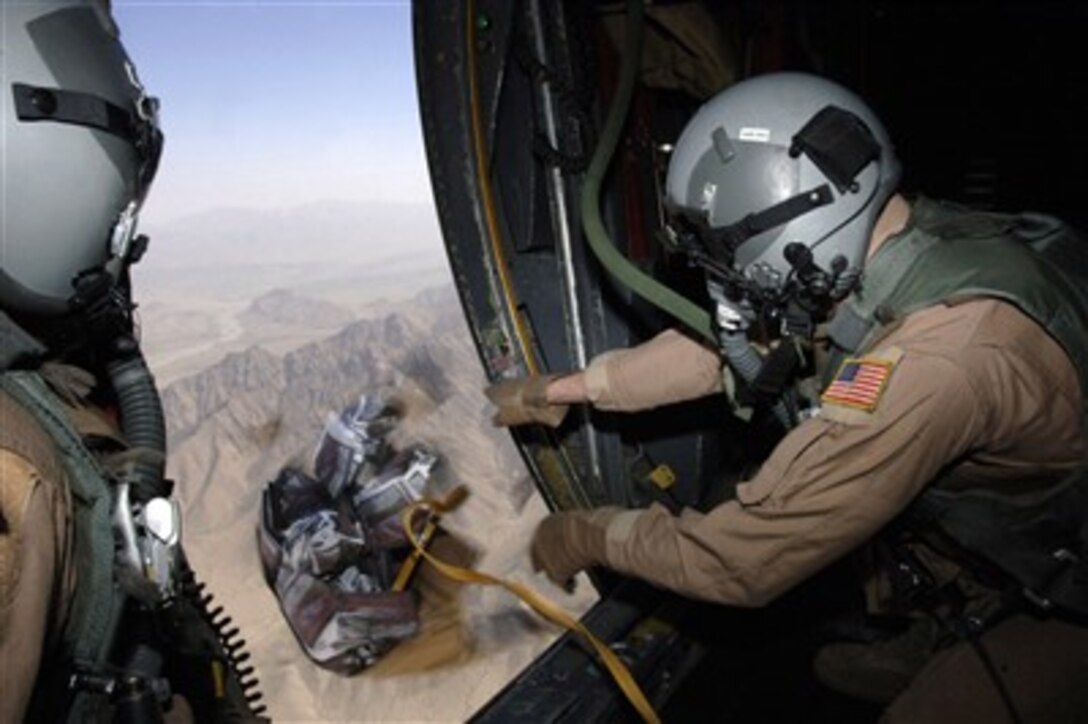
pixel 474 639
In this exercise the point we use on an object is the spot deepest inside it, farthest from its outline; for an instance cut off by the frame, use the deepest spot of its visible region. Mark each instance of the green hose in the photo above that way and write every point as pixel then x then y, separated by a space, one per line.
pixel 626 273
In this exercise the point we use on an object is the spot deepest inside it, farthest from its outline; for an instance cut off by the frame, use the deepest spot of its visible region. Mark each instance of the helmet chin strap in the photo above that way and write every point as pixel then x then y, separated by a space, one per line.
pixel 126 248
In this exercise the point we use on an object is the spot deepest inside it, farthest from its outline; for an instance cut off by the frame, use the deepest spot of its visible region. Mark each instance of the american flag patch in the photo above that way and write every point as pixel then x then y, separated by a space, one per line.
pixel 859 383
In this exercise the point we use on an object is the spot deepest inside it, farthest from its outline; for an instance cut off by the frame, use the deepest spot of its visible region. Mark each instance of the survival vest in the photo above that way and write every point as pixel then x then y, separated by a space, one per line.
pixel 78 678
pixel 98 601
pixel 1038 264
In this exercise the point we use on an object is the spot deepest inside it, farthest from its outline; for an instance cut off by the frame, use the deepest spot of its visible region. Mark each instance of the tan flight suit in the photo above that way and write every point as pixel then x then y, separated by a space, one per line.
pixel 37 578
pixel 979 395
pixel 36 583
pixel 668 368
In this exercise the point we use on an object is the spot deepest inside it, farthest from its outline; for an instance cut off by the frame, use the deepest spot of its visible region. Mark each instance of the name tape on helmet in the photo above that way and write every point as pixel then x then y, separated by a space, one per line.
pixel 757 135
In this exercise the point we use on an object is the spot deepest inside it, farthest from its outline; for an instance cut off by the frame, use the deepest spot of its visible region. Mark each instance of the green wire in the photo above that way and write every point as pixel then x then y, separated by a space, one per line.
pixel 683 309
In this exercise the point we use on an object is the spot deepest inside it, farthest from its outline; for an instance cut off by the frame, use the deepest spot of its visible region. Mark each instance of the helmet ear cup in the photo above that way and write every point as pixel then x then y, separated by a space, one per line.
pixel 807 162
pixel 79 152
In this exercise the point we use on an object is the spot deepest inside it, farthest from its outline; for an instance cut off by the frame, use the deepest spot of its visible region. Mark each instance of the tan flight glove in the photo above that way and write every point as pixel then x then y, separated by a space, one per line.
pixel 565 543
pixel 522 401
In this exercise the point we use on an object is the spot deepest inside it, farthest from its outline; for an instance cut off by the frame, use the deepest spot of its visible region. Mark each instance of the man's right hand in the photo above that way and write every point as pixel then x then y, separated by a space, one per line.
pixel 565 543
pixel 524 400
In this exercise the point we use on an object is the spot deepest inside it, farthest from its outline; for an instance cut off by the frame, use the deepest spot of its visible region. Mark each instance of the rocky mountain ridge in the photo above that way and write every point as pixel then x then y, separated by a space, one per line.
pixel 234 425
pixel 285 307
pixel 245 416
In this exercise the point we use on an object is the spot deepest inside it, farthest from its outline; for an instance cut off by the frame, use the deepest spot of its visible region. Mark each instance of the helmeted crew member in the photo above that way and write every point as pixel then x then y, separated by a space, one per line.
pixel 951 350
pixel 99 615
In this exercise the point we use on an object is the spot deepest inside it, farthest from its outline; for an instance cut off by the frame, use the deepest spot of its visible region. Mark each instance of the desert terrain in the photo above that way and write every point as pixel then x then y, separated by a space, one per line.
pixel 255 337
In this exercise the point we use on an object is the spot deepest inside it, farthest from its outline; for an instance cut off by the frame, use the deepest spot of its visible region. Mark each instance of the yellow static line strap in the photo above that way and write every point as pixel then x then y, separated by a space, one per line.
pixel 534 600
pixel 412 561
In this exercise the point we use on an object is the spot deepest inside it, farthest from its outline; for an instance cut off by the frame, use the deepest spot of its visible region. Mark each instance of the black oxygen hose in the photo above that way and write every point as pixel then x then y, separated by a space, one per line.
pixel 142 419
pixel 144 426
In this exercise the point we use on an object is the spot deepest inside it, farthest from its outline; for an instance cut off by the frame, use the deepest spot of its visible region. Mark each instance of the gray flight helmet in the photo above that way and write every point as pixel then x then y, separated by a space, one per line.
pixel 81 145
pixel 784 158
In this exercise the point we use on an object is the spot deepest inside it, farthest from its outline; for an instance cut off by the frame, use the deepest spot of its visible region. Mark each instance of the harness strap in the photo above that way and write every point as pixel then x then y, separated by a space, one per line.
pixel 732 236
pixel 36 104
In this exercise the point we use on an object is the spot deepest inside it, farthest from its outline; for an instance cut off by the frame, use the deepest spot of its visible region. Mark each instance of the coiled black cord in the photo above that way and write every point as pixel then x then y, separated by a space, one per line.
pixel 227 635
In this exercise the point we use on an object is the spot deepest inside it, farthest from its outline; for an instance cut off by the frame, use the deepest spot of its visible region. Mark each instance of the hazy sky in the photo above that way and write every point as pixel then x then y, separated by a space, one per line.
pixel 268 103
